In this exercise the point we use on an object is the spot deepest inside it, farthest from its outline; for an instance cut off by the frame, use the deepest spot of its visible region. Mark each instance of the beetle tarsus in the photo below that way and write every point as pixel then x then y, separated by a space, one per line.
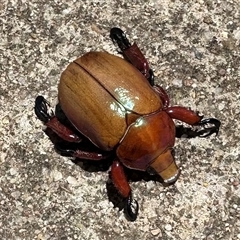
pixel 151 77
pixel 119 38
pixel 41 109
pixel 207 131
pixel 131 208
pixel 184 132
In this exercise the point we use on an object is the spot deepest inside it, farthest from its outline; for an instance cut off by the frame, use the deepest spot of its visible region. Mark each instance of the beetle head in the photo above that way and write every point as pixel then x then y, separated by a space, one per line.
pixel 166 167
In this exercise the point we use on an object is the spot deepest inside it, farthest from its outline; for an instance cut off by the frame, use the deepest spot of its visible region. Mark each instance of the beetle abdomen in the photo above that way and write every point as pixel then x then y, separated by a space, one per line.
pixel 97 96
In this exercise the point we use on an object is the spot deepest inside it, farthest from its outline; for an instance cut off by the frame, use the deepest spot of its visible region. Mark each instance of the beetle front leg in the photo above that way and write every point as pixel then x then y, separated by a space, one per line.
pixel 207 131
pixel 119 180
pixel 132 53
pixel 51 121
pixel 192 118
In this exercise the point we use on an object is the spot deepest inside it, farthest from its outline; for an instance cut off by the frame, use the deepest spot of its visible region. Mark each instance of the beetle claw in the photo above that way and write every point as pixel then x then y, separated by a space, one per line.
pixel 41 109
pixel 131 209
pixel 118 37
pixel 151 77
pixel 207 131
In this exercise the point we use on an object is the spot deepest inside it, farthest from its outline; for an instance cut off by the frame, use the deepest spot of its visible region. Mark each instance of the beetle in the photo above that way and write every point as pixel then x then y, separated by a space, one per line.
pixel 114 103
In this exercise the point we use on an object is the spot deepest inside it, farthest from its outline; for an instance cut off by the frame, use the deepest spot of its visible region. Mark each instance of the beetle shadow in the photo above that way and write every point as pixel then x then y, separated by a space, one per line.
pixel 132 176
pixel 65 148
pixel 99 166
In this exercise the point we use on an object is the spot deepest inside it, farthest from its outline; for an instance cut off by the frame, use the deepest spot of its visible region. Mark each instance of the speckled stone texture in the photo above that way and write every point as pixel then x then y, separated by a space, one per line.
pixel 193 47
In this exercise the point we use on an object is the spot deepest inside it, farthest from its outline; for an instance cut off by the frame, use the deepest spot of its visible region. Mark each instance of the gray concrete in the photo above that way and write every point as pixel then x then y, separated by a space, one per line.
pixel 193 46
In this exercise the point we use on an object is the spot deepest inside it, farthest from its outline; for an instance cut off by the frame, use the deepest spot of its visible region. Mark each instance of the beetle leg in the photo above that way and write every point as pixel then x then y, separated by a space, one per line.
pixel 62 131
pixel 192 118
pixel 75 152
pixel 163 95
pixel 51 121
pixel 132 53
pixel 41 109
pixel 182 131
pixel 207 131
pixel 118 37
pixel 131 208
pixel 71 149
pixel 184 114
pixel 119 180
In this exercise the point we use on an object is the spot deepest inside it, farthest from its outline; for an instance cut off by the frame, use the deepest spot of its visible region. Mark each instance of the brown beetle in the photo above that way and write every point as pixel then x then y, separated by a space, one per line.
pixel 114 104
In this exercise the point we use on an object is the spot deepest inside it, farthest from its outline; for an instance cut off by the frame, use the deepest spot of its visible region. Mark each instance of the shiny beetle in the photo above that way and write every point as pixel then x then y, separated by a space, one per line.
pixel 114 103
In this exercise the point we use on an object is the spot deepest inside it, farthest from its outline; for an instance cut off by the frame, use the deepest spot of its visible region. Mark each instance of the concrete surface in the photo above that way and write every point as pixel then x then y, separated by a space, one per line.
pixel 193 46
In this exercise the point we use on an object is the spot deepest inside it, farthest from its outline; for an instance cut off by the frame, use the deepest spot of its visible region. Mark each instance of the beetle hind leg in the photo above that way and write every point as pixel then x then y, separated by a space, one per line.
pixel 118 37
pixel 132 53
pixel 41 109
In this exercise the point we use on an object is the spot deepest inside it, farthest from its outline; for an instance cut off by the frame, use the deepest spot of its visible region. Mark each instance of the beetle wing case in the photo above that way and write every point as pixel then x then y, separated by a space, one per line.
pixel 97 92
pixel 123 81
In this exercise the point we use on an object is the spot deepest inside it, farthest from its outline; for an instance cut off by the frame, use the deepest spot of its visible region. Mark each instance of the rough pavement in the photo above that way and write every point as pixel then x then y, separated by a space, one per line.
pixel 193 47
